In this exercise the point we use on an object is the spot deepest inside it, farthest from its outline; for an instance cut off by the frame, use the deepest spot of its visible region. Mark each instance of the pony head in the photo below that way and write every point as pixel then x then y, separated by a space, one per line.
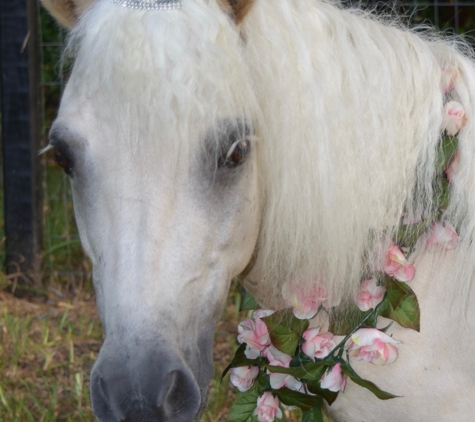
pixel 156 132
pixel 285 138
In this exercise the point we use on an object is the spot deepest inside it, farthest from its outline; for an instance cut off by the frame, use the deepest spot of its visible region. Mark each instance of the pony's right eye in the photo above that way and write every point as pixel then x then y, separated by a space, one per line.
pixel 61 160
pixel 237 154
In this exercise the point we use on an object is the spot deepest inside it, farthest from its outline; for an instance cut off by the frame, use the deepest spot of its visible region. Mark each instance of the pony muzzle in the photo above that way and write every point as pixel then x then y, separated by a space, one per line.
pixel 144 388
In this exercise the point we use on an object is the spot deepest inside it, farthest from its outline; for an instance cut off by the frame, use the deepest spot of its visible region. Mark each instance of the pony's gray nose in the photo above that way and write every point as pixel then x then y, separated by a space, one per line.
pixel 156 392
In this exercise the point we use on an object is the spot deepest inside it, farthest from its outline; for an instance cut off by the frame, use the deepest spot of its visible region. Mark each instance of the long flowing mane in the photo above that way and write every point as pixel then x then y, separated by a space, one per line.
pixel 351 118
pixel 347 112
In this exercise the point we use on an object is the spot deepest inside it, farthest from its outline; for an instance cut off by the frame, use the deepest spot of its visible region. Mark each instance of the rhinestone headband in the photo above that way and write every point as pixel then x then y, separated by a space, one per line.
pixel 150 4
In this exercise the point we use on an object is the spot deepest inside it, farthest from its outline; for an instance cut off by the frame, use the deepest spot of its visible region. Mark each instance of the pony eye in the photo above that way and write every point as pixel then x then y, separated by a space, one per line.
pixel 238 152
pixel 61 160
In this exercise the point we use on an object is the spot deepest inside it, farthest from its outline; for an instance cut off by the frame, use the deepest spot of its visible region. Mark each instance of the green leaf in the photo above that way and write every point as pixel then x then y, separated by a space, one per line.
pixel 248 303
pixel 447 149
pixel 294 398
pixel 239 360
pixel 309 371
pixel 315 414
pixel 396 291
pixel 243 409
pixel 314 387
pixel 400 305
pixel 380 394
pixel 285 330
pixel 264 381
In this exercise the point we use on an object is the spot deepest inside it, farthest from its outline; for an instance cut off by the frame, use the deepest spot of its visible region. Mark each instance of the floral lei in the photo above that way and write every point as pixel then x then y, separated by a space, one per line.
pixel 282 362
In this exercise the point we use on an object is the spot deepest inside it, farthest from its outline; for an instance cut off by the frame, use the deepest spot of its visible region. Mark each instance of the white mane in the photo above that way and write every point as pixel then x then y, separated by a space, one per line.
pixel 348 113
pixel 351 115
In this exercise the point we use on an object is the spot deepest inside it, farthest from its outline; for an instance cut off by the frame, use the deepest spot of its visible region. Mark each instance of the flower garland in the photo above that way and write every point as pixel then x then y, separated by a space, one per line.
pixel 283 362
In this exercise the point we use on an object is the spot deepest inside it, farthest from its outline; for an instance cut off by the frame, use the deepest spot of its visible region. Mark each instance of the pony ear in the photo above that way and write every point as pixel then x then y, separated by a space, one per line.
pixel 66 12
pixel 237 8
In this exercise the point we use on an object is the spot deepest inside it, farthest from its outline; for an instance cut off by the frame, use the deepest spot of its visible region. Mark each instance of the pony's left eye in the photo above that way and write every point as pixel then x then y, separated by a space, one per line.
pixel 238 152
pixel 61 160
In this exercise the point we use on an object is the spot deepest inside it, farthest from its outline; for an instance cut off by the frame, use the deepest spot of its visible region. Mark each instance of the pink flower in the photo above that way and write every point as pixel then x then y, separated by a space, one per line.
pixel 397 265
pixel 372 345
pixel 334 380
pixel 454 167
pixel 255 334
pixel 284 380
pixel 262 313
pixel 244 377
pixel 268 408
pixel 370 294
pixel 454 118
pixel 317 345
pixel 305 304
pixel 448 78
pixel 277 358
pixel 443 236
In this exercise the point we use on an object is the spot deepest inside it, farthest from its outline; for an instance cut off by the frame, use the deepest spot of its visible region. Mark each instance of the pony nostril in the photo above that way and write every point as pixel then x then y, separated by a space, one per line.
pixel 148 394
pixel 182 398
pixel 101 400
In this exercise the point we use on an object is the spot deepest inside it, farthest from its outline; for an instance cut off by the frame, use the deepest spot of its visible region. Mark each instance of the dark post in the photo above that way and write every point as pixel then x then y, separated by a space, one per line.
pixel 20 96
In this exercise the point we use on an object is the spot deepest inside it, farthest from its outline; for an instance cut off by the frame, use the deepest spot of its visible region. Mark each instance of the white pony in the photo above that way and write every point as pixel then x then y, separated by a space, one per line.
pixel 282 138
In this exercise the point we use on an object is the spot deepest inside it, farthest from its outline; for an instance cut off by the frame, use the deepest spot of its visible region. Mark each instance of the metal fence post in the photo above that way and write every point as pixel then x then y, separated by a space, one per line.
pixel 20 101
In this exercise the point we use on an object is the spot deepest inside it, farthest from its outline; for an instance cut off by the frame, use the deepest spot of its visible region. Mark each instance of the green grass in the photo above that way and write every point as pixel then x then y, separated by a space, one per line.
pixel 46 353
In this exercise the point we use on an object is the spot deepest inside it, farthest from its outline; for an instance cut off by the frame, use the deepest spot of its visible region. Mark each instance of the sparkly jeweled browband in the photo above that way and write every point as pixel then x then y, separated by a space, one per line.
pixel 150 4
